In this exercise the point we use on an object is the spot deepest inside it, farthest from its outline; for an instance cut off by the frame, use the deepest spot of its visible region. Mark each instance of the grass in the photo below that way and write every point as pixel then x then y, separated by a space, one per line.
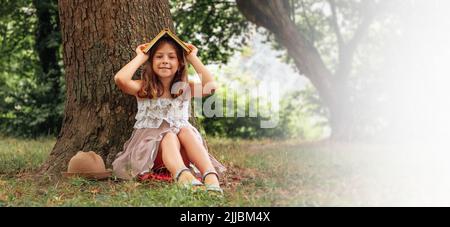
pixel 261 173
pixel 18 155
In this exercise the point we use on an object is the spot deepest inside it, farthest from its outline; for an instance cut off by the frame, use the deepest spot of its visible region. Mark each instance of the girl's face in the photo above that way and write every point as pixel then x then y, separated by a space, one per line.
pixel 165 61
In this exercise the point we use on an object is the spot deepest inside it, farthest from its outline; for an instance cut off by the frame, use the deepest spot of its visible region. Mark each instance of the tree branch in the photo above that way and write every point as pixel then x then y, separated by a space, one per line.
pixel 335 25
pixel 308 22
pixel 346 57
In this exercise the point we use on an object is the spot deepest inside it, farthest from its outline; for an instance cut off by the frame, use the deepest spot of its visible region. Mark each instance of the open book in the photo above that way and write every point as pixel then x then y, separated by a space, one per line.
pixel 166 32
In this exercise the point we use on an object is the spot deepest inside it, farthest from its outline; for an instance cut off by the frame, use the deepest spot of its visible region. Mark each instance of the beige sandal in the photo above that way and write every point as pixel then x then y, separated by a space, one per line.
pixel 191 182
pixel 212 187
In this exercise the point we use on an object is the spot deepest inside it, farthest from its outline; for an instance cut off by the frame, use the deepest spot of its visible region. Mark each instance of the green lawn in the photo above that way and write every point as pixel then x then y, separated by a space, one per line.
pixel 261 173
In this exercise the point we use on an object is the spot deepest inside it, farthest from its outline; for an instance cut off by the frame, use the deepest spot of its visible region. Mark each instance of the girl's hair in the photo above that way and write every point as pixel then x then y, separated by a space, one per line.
pixel 153 87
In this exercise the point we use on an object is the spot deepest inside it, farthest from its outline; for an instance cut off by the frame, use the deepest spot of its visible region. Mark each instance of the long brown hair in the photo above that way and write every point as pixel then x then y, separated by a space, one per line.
pixel 152 87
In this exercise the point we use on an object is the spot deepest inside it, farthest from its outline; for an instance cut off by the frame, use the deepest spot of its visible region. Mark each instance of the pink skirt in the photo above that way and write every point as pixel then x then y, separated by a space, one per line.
pixel 140 151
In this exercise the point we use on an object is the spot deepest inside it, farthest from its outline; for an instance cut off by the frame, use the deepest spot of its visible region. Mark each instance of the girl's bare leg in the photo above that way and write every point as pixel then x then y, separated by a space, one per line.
pixel 174 159
pixel 171 156
pixel 197 154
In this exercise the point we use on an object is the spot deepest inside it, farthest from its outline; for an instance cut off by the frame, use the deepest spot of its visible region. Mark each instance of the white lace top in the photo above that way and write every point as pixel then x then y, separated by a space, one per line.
pixel 152 112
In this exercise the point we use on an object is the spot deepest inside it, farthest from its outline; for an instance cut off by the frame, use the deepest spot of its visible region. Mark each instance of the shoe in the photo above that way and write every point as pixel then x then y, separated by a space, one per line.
pixel 185 178
pixel 212 188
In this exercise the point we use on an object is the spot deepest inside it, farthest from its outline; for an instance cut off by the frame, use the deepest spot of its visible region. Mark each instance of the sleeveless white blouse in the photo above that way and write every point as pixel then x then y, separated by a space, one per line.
pixel 152 112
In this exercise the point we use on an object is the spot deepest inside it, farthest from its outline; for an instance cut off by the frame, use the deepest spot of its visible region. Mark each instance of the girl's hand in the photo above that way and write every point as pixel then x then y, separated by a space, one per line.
pixel 193 53
pixel 140 53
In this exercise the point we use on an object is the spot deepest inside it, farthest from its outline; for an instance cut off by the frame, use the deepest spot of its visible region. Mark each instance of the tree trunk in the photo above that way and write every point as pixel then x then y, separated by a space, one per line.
pixel 341 112
pixel 99 37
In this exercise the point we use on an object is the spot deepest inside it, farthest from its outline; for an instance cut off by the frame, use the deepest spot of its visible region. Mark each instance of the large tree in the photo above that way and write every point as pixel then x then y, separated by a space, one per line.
pixel 99 37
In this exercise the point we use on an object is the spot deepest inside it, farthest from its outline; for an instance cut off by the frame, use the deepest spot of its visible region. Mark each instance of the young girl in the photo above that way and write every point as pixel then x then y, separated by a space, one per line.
pixel 162 138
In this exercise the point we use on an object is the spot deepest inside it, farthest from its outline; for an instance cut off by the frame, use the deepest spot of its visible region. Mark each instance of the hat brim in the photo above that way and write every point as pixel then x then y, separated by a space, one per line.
pixel 94 176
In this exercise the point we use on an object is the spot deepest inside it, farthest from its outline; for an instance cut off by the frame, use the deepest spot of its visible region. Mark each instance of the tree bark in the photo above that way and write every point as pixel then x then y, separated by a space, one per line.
pixel 99 37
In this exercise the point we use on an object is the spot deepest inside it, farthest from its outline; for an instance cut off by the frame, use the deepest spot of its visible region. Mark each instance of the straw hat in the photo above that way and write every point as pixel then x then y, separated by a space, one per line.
pixel 88 165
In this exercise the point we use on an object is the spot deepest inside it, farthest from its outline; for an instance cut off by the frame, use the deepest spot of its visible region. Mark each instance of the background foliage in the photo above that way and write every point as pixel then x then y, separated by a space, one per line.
pixel 27 105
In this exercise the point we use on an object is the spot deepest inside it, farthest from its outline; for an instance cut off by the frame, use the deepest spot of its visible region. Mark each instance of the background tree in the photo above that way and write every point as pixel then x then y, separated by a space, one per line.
pixel 296 25
pixel 49 77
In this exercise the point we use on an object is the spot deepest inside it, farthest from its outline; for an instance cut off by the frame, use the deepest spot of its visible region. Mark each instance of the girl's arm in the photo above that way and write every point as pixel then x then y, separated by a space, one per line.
pixel 123 78
pixel 208 85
